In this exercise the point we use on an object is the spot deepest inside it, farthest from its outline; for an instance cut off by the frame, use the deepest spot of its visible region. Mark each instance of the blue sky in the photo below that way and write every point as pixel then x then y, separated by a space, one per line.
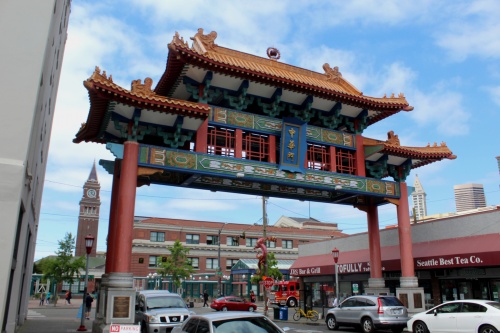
pixel 443 55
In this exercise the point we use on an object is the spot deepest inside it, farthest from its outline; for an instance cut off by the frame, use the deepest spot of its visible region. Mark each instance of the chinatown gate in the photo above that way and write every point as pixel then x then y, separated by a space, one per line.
pixel 224 120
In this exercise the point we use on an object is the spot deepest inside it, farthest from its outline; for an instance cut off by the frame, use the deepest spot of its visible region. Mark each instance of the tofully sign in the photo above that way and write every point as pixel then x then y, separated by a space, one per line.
pixel 358 267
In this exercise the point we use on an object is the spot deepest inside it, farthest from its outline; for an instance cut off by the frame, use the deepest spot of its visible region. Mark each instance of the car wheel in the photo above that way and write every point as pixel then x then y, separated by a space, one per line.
pixel 292 302
pixel 331 323
pixel 367 325
pixel 251 309
pixel 224 308
pixel 488 329
pixel 420 327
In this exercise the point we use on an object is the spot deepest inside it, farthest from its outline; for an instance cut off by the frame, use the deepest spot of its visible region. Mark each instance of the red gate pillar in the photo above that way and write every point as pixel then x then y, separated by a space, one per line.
pixel 110 253
pixel 405 240
pixel 125 209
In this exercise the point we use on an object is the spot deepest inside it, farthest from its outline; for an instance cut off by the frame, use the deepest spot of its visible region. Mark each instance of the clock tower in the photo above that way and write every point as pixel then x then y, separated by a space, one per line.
pixel 88 219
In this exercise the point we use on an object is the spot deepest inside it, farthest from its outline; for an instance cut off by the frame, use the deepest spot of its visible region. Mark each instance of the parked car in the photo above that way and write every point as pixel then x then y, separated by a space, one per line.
pixel 229 322
pixel 232 303
pixel 159 310
pixel 369 312
pixel 468 315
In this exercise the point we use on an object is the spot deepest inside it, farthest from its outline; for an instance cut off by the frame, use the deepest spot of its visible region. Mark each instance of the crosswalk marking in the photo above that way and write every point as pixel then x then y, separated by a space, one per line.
pixel 33 315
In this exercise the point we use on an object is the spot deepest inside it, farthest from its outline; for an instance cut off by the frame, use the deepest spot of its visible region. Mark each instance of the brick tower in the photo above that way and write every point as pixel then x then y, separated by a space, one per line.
pixel 88 219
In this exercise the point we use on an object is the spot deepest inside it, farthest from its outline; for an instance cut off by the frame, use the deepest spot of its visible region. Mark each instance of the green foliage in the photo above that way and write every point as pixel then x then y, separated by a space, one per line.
pixel 177 265
pixel 64 266
pixel 272 270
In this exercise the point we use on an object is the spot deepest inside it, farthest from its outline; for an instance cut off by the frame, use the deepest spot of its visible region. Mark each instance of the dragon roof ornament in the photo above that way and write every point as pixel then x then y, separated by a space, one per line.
pixel 143 90
pixel 203 43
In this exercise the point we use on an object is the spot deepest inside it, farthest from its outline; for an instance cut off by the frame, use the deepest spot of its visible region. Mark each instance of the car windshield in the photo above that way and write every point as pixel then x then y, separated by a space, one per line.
pixel 494 304
pixel 245 325
pixel 391 301
pixel 165 302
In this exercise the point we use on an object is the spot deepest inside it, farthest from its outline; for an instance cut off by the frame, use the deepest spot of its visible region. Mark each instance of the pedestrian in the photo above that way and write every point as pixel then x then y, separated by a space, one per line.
pixel 68 297
pixel 205 298
pixel 42 298
pixel 252 296
pixel 335 302
pixel 47 301
pixel 88 305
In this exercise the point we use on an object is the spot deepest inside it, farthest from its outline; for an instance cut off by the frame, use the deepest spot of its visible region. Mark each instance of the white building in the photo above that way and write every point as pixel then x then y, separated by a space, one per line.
pixel 33 40
pixel 469 196
pixel 419 199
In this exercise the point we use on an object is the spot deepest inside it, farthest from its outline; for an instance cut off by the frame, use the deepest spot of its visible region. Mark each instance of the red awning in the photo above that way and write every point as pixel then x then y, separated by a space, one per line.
pixel 473 251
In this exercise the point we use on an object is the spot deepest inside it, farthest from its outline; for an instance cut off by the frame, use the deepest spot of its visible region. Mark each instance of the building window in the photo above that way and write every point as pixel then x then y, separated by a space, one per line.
pixel 255 147
pixel 233 241
pixel 287 244
pixel 157 236
pixel 195 262
pixel 212 240
pixel 251 242
pixel 346 161
pixel 221 141
pixel 212 263
pixel 192 239
pixel 318 157
pixel 230 263
pixel 270 244
pixel 154 260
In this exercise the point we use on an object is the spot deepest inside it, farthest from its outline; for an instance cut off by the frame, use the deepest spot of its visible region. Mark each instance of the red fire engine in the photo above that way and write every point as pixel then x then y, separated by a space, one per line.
pixel 285 292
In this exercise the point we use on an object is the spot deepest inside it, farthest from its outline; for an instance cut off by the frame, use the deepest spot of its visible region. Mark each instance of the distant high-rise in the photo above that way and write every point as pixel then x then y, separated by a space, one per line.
pixel 469 196
pixel 419 199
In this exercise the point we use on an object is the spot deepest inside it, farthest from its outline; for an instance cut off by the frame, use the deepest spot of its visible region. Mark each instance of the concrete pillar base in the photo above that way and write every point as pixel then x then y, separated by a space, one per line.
pixel 412 298
pixel 116 302
pixel 408 282
pixel 376 286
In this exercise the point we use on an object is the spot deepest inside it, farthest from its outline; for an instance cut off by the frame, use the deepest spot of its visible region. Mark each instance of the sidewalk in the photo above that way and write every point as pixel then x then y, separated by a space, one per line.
pixel 54 319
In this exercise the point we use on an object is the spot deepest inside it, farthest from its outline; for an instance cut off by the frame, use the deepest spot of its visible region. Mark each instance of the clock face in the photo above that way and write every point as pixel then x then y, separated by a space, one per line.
pixel 91 193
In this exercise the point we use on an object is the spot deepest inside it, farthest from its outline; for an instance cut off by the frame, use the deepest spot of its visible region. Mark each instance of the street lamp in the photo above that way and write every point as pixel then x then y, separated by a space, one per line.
pixel 89 243
pixel 155 282
pixel 219 269
pixel 335 253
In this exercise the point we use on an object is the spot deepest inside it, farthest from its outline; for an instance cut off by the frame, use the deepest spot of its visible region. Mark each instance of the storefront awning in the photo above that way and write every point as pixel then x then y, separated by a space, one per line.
pixel 473 251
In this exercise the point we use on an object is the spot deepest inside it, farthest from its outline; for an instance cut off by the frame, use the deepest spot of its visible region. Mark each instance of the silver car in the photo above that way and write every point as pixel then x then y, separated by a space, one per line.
pixel 159 311
pixel 369 312
pixel 229 322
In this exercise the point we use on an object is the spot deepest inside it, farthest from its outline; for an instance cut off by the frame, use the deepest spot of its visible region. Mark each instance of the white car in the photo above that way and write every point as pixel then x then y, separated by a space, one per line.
pixel 229 322
pixel 468 315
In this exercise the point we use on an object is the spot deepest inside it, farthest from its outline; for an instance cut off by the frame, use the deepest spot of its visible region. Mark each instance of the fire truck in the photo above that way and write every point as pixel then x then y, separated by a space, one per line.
pixel 285 293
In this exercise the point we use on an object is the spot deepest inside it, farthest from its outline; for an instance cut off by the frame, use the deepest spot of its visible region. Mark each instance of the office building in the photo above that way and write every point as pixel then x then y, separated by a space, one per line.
pixel 418 198
pixel 469 196
pixel 33 41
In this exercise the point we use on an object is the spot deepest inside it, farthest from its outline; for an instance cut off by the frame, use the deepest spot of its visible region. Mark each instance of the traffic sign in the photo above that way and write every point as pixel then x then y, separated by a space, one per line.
pixel 268 282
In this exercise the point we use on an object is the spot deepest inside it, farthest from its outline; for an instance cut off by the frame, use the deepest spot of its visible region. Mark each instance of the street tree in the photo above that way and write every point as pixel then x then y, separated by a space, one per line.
pixel 63 267
pixel 177 265
pixel 272 270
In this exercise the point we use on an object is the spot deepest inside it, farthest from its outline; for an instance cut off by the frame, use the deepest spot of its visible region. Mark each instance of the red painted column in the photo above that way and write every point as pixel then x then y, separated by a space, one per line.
pixel 333 159
pixel 272 149
pixel 125 209
pixel 238 144
pixel 360 157
pixel 110 253
pixel 404 229
pixel 374 243
pixel 200 145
